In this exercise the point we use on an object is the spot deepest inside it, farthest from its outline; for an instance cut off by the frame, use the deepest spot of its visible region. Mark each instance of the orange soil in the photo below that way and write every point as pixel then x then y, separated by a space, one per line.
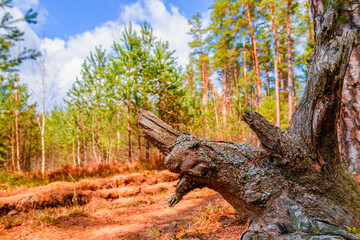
pixel 130 217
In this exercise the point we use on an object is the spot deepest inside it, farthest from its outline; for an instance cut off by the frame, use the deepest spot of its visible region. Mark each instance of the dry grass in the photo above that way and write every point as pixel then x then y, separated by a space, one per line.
pixel 70 173
pixel 211 218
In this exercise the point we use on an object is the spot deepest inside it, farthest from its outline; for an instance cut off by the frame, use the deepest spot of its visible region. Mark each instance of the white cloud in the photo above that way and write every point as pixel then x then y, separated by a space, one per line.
pixel 168 25
pixel 64 58
pixel 24 5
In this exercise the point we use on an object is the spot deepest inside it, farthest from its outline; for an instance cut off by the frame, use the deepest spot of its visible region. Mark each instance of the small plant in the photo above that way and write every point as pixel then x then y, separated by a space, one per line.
pixel 48 218
pixel 155 232
pixel 77 212
pixel 9 222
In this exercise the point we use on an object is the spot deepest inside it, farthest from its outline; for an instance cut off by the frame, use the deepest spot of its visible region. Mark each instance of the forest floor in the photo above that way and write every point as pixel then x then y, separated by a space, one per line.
pixel 126 206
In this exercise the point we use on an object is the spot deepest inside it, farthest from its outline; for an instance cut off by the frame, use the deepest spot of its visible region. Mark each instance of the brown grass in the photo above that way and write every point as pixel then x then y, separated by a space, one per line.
pixel 210 219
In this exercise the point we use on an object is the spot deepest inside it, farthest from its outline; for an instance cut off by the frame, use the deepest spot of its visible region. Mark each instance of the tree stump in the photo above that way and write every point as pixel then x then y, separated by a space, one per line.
pixel 294 186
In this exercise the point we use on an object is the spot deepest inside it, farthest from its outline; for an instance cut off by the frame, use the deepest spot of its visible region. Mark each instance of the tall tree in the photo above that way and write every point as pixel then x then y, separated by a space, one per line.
pixel 200 56
pixel 289 8
pixel 258 87
pixel 10 37
pixel 276 67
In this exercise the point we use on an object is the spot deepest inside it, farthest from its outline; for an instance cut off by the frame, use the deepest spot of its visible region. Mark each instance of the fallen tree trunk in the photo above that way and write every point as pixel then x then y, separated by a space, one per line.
pixel 295 186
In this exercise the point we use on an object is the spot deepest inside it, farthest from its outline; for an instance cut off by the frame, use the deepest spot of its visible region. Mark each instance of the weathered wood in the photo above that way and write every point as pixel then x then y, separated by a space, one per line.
pixel 295 187
pixel 160 134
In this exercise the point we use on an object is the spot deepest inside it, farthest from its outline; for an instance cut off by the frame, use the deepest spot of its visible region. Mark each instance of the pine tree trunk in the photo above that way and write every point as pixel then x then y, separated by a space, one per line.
pixel 205 83
pixel 42 128
pixel 267 79
pixel 78 151
pixel 256 60
pixel 129 132
pixel 139 146
pixel 295 186
pixel 216 109
pixel 245 73
pixel 147 150
pixel 224 97
pixel 93 141
pixel 73 154
pixel 276 71
pixel 17 126
pixel 308 21
pixel 290 67
pixel 12 148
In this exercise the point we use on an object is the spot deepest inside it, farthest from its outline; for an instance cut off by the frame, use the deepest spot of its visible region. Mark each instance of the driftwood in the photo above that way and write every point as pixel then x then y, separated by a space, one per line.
pixel 294 186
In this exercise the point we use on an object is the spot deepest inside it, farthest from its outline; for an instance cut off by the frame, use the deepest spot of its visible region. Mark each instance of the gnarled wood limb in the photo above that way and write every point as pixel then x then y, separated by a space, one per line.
pixel 293 188
pixel 160 134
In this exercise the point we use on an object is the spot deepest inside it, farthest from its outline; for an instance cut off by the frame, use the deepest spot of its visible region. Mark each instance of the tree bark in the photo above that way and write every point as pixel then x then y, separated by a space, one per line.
pixel 295 186
pixel 129 132
pixel 290 67
pixel 245 74
pixel 17 125
pixel 276 52
pixel 349 125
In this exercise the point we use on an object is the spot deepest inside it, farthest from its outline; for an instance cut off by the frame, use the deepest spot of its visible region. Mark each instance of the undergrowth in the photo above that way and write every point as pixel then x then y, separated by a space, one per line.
pixel 9 179
pixel 209 219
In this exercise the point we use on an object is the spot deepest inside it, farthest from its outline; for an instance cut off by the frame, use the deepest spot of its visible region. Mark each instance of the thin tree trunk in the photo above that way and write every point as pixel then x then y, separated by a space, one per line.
pixel 17 125
pixel 245 73
pixel 308 20
pixel 12 148
pixel 84 149
pixel 93 145
pixel 42 128
pixel 277 90
pixel 216 108
pixel 78 151
pixel 267 79
pixel 205 83
pixel 224 97
pixel 139 146
pixel 290 67
pixel 147 150
pixel 256 60
pixel 73 154
pixel 129 132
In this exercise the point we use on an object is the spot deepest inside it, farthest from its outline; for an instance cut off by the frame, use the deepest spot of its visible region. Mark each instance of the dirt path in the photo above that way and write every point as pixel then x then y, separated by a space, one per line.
pixel 145 216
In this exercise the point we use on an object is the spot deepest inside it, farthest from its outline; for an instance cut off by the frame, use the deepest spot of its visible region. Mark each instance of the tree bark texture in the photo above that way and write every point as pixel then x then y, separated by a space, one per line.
pixel 276 72
pixel 349 124
pixel 295 186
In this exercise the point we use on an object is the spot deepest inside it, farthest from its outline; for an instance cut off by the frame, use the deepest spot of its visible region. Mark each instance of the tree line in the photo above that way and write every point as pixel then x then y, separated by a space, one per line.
pixel 251 56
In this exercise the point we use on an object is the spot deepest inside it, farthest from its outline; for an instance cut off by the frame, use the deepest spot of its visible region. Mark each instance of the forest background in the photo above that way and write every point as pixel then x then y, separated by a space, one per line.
pixel 251 56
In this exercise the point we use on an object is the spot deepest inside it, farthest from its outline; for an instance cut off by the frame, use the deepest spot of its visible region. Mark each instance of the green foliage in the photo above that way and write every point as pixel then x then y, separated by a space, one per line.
pixel 17 117
pixel 49 218
pixel 10 37
pixel 268 110
pixel 98 123
pixel 9 180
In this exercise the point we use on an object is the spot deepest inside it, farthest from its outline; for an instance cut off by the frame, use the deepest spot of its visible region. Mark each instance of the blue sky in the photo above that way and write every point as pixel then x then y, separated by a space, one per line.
pixel 68 30
pixel 69 17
